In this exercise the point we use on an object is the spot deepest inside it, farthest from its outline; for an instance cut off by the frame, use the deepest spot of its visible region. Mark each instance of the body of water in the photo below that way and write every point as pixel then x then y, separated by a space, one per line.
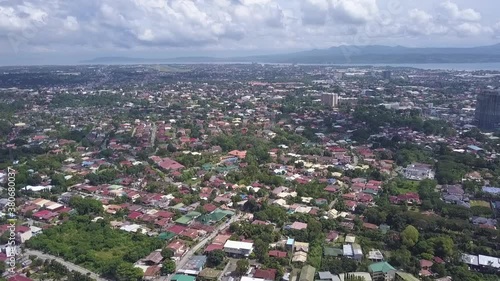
pixel 494 66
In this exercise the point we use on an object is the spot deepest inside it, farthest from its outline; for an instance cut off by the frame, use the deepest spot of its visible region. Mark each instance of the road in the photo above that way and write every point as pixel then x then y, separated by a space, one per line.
pixel 69 265
pixel 230 267
pixel 202 244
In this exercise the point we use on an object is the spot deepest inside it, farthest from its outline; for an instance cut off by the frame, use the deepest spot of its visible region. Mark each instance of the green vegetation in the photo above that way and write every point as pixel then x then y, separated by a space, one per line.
pixel 96 246
pixel 409 236
pixel 479 203
pixel 242 267
pixel 53 270
pixel 168 267
pixel 215 258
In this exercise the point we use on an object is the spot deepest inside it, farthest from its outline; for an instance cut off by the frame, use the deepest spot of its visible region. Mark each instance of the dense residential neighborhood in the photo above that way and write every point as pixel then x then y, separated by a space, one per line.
pixel 247 172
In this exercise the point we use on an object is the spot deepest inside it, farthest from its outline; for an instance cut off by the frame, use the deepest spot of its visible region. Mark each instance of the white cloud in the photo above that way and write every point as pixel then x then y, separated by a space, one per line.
pixel 471 29
pixel 230 24
pixel 355 11
pixel 314 12
pixel 452 11
pixel 71 23
pixel 423 23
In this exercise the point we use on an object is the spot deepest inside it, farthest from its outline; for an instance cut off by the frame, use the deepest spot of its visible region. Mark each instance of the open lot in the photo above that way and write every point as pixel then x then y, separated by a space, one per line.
pixel 480 203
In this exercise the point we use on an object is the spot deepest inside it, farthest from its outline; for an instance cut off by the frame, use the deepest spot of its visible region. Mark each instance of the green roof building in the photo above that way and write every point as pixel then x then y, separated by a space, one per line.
pixel 332 252
pixel 227 212
pixel 404 276
pixel 211 218
pixel 166 236
pixel 193 214
pixel 183 277
pixel 178 206
pixel 185 220
pixel 382 271
pixel 307 273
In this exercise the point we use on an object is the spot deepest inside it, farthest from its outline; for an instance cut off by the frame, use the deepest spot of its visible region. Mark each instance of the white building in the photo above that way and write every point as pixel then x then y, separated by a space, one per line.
pixel 418 172
pixel 238 248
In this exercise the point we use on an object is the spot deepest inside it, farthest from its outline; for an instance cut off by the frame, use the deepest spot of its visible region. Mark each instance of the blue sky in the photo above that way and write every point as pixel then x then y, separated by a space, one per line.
pixel 66 31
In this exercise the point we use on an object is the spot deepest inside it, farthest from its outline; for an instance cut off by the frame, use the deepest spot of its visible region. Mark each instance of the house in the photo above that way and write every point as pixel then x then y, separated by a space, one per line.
pixel 327 276
pixel 183 277
pixel 357 253
pixel 266 274
pixel 179 247
pixel 170 165
pixel 298 225
pixel 347 251
pixel 154 258
pixel 238 248
pixel 408 198
pixel 375 255
pixel 418 171
pixel 481 261
pixel 307 273
pixel 194 265
pixel 213 247
pixel 35 230
pixel 382 271
pixel 45 215
pixel 301 246
pixel 332 236
pixel 404 276
pixel 23 233
pixel 277 254
pixel 237 153
pixel 350 239
pixel 332 252
pixel 152 272
pixel 491 190
pixel 221 239
pixel 299 256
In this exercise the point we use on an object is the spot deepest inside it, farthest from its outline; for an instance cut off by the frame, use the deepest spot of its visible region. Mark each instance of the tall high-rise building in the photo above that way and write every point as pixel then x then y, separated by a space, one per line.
pixel 488 110
pixel 330 99
pixel 386 74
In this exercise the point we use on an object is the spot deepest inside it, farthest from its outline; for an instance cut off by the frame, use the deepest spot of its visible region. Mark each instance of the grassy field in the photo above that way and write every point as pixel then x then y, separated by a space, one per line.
pixel 480 203
pixel 407 186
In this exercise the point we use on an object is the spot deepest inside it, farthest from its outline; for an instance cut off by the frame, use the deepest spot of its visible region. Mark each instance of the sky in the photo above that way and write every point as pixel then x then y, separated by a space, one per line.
pixel 68 31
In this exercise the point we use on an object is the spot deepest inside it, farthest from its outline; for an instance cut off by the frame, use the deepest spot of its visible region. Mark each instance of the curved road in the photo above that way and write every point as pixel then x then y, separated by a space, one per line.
pixel 69 265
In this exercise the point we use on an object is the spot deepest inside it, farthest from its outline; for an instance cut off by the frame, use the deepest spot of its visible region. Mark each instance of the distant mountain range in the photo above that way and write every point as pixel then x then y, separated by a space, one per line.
pixel 372 54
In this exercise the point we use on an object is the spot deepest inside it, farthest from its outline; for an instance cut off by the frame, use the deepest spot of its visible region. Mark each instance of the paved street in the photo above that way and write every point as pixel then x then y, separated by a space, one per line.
pixel 203 242
pixel 70 266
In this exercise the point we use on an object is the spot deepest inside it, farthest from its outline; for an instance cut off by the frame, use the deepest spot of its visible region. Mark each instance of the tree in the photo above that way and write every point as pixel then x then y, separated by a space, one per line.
pixel 127 272
pixel 215 258
pixel 439 269
pixel 443 246
pixel 400 258
pixel 167 253
pixel 242 267
pixel 261 249
pixel 409 236
pixel 86 206
pixel 168 267
pixel 314 229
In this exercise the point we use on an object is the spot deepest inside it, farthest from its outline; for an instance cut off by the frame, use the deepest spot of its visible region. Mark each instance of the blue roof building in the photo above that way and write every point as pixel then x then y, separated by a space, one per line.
pixel 491 190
